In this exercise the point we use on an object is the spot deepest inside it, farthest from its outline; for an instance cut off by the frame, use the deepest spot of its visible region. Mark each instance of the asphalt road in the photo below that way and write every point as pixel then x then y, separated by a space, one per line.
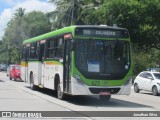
pixel 17 96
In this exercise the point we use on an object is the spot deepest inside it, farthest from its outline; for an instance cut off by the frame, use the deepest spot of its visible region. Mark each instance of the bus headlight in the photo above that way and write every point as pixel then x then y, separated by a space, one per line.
pixel 78 79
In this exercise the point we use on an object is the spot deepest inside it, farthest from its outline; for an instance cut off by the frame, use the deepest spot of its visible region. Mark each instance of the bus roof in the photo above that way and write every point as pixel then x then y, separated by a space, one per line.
pixel 66 30
pixel 99 26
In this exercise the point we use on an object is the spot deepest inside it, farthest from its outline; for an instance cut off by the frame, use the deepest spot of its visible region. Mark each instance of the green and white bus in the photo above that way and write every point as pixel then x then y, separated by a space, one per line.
pixel 79 60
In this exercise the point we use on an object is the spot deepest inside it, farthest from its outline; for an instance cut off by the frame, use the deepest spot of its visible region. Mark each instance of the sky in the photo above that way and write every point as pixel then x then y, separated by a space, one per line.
pixel 8 7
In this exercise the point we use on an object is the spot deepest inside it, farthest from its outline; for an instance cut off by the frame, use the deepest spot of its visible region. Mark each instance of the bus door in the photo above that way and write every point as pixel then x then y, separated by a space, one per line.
pixel 41 59
pixel 67 67
pixel 26 62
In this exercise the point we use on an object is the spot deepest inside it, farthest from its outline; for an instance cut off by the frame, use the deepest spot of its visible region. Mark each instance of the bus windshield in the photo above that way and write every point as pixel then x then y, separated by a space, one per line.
pixel 102 59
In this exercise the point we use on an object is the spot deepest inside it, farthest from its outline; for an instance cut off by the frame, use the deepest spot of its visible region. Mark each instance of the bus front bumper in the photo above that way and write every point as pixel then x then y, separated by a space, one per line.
pixel 82 89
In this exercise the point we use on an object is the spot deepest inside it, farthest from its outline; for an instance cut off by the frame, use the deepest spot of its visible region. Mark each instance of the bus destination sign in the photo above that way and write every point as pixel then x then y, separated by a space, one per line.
pixel 100 32
pixel 110 33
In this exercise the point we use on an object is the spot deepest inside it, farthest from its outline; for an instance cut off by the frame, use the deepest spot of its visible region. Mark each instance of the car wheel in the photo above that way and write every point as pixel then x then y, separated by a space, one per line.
pixel 60 94
pixel 136 88
pixel 10 77
pixel 155 91
pixel 105 97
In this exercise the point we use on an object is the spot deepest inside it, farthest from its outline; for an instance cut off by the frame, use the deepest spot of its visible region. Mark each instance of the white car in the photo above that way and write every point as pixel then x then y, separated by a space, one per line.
pixel 149 81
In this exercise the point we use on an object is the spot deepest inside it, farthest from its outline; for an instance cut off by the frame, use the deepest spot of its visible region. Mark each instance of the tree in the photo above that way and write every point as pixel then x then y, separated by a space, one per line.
pixel 62 15
pixel 139 17
pixel 73 12
pixel 35 23
pixel 3 53
pixel 23 26
pixel 13 36
pixel 144 60
pixel 20 12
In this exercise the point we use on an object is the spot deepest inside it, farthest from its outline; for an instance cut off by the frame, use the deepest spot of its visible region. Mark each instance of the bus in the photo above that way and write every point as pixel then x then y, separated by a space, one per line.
pixel 79 60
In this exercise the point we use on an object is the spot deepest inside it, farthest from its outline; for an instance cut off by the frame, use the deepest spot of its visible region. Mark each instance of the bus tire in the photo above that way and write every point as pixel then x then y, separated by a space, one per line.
pixel 105 97
pixel 60 94
pixel 32 86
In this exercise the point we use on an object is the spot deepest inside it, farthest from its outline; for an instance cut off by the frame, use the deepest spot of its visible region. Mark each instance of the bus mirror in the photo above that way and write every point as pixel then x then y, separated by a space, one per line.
pixel 68 36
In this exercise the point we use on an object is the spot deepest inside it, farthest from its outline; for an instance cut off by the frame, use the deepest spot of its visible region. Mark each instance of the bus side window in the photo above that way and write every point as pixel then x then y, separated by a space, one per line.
pixel 55 48
pixel 37 51
pixel 59 47
pixel 50 46
pixel 31 56
pixel 42 51
pixel 34 51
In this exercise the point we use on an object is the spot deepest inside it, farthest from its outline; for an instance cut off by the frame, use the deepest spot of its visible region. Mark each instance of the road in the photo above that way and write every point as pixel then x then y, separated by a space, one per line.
pixel 17 96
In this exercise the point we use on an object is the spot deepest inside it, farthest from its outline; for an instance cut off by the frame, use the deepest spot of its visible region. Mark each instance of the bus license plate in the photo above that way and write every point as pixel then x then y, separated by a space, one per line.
pixel 105 93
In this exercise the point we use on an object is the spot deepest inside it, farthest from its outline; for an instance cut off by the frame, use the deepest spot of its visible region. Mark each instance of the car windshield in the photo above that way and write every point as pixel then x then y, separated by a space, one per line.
pixel 157 75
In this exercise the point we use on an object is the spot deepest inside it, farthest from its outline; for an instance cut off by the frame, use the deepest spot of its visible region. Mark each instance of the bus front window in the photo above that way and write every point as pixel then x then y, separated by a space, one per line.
pixel 102 59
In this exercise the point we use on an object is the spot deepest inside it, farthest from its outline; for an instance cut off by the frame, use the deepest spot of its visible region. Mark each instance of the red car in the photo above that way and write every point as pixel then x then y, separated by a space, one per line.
pixel 15 73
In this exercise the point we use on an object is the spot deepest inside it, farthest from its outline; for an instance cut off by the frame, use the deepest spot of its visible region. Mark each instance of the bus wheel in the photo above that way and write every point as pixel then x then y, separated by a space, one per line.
pixel 32 86
pixel 105 97
pixel 60 94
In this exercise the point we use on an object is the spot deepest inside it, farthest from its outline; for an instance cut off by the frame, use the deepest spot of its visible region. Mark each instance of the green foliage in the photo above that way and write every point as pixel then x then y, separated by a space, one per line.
pixel 139 17
pixel 35 23
pixel 22 26
pixel 3 54
pixel 70 12
pixel 144 60
pixel 63 14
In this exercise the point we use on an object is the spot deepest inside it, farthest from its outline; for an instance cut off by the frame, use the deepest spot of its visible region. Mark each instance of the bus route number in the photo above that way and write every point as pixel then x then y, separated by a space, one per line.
pixel 86 32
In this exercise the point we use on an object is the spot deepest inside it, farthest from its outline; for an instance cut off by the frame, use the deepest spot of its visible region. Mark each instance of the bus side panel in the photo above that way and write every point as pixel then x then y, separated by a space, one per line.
pixel 33 67
pixel 40 67
pixel 50 70
pixel 48 75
